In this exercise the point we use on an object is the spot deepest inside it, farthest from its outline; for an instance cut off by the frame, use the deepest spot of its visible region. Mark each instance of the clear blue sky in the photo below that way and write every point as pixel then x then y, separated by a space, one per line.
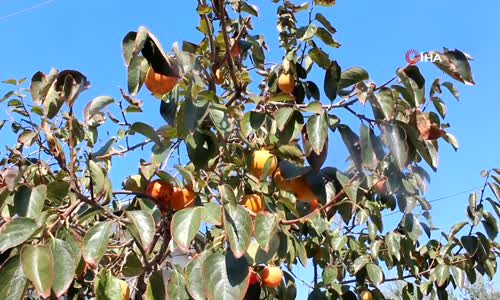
pixel 86 35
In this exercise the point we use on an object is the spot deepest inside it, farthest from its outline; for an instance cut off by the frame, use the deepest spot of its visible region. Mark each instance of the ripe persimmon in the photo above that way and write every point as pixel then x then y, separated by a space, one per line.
pixel 258 161
pixel 159 84
pixel 168 196
pixel 159 190
pixel 181 198
pixel 124 290
pixel 365 295
pixel 286 82
pixel 235 48
pixel 218 77
pixel 271 276
pixel 298 186
pixel 253 202
pixel 379 186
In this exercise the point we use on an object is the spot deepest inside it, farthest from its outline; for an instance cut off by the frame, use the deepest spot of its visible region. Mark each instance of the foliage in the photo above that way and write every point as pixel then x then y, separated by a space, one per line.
pixel 66 229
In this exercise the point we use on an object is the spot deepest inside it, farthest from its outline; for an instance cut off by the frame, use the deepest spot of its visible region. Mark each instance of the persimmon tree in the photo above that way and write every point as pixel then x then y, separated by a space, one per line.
pixel 235 181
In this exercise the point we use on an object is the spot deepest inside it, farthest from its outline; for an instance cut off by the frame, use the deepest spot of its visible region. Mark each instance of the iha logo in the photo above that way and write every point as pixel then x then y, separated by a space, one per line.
pixel 412 57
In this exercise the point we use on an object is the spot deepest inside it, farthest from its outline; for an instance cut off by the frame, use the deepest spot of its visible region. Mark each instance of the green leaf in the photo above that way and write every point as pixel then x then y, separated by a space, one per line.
pixel 156 289
pixel 368 156
pixel 282 116
pixel 324 2
pixel 393 241
pixel 212 213
pixel 332 79
pixel 107 286
pixel 176 288
pixel 265 227
pixel 495 188
pixel 458 276
pixel 194 278
pixel 317 131
pixel 490 225
pixel 324 21
pixel 456 228
pixel 249 8
pixel 96 242
pixel 360 263
pixel 339 242
pixel 40 84
pixel 319 57
pixel 442 273
pixel 71 83
pixel 141 226
pixel 351 141
pixel 146 131
pixel 92 112
pixel 413 81
pixel 440 106
pixel 307 32
pixel 65 264
pixel 98 178
pixel 375 274
pixel 38 267
pixel 12 282
pixel 132 266
pixel 28 202
pixel 454 63
pixel 383 104
pixel 225 277
pixel 326 37
pixel 238 227
pixel 185 225
pixel 396 140
pixel 219 117
pixel 16 232
pixel 352 76
pixel 453 90
pixel 202 147
pixel 227 194
pixel 190 116
pixel 136 72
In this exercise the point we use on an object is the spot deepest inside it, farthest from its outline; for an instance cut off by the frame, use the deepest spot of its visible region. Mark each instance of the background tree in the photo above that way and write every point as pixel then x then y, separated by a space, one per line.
pixel 252 198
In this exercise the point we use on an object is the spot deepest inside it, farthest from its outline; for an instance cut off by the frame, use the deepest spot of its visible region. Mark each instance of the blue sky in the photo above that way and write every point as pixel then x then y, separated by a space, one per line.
pixel 86 35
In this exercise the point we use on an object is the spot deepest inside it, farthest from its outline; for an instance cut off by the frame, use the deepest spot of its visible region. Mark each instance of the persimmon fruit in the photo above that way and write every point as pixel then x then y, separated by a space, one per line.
pixel 286 82
pixel 218 77
pixel 236 48
pixel 124 290
pixel 271 276
pixel 258 161
pixel 169 196
pixel 159 84
pixel 298 186
pixel 253 202
pixel 366 295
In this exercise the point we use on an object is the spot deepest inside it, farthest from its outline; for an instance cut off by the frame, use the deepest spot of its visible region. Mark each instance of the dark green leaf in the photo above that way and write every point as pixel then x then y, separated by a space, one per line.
pixel 332 79
pixel 96 242
pixel 12 282
pixel 38 267
pixel 16 232
pixel 156 289
pixel 141 226
pixel 225 277
pixel 185 225
pixel 28 202
pixel 352 76
pixel 375 274
pixel 65 264
pixel 238 227
pixel 317 131
pixel 265 225
pixel 107 286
